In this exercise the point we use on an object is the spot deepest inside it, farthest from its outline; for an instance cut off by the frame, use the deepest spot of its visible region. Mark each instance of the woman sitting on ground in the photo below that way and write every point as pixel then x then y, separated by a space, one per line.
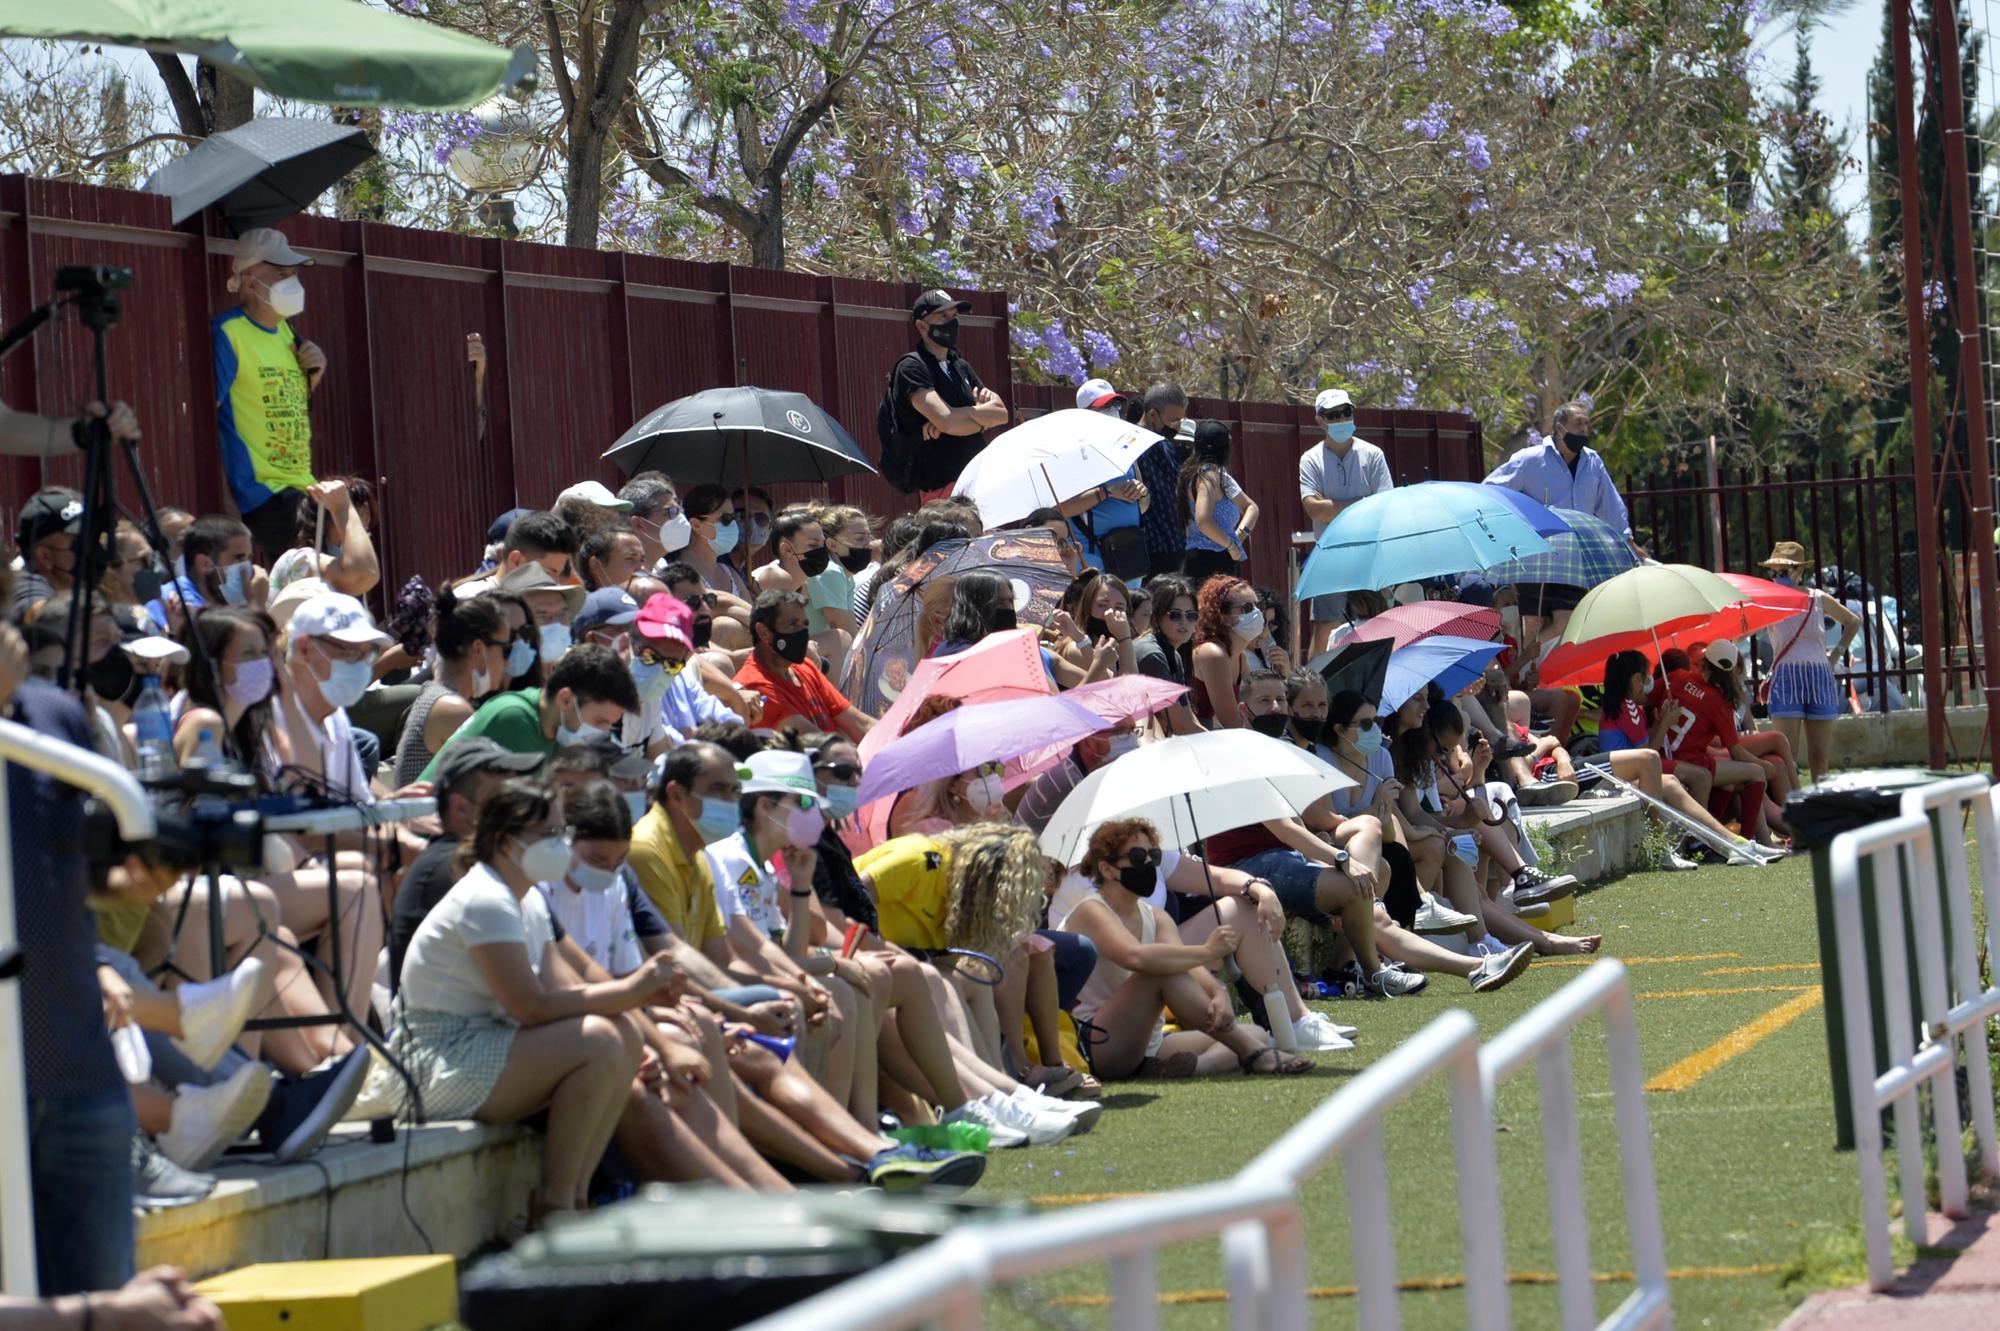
pixel 1703 712
pixel 482 1033
pixel 1144 968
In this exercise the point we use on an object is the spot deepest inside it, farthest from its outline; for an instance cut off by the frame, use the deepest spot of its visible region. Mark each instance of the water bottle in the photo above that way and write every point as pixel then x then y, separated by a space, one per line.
pixel 1279 1014
pixel 207 748
pixel 153 726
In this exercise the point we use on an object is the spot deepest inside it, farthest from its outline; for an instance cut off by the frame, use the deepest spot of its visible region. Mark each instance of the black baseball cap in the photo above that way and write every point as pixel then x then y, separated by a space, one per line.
pixel 474 754
pixel 497 530
pixel 48 512
pixel 932 301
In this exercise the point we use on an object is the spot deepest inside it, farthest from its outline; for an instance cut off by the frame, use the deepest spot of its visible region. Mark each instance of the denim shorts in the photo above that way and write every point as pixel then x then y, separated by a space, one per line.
pixel 1293 877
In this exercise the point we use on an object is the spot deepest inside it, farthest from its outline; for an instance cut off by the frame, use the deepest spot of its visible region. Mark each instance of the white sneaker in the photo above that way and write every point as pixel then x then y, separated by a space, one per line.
pixel 206 1119
pixel 1042 1129
pixel 1435 917
pixel 1314 1034
pixel 1496 970
pixel 213 1013
pixel 978 1111
pixel 1392 981
pixel 1677 863
pixel 1082 1113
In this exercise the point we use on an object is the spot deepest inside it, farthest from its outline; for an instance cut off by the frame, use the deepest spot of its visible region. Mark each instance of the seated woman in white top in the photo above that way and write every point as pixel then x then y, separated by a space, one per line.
pixel 482 1032
pixel 1138 976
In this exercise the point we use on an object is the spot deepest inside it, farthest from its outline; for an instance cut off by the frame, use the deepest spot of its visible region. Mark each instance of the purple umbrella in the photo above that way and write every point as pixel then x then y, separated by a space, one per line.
pixel 968 738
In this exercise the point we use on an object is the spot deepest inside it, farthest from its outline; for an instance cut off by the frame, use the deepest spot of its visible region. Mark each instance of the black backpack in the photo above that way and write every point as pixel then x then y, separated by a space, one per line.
pixel 899 446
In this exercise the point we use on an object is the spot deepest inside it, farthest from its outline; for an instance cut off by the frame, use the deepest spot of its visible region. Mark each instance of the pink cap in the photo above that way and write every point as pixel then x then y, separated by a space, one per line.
pixel 666 618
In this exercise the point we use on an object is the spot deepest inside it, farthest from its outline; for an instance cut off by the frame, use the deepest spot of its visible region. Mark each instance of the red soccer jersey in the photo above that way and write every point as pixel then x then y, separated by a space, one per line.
pixel 1705 715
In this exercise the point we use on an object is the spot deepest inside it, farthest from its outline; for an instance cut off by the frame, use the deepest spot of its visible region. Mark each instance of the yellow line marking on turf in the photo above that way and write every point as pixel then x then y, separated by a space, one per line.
pixel 1764 970
pixel 1425 1284
pixel 1084 1198
pixel 1693 1068
pixel 1718 993
pixel 1641 961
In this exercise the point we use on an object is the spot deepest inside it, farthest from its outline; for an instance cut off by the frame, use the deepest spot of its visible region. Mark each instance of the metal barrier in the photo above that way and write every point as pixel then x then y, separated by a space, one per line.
pixel 1901 855
pixel 1256 1214
pixel 1543 1035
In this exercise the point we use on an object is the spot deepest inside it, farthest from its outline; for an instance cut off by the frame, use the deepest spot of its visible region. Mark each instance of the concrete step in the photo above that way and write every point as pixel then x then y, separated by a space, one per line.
pixel 466 1181
pixel 1956 1291
pixel 1595 839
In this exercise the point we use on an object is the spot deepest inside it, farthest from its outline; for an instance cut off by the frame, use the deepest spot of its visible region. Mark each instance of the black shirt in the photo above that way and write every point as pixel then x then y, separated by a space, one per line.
pixel 30 590
pixel 62 1010
pixel 940 460
pixel 1158 660
pixel 429 878
pixel 838 885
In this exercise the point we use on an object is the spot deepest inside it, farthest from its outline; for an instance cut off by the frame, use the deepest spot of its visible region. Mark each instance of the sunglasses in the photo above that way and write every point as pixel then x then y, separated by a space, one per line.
pixel 840 771
pixel 1239 607
pixel 701 598
pixel 1140 857
pixel 1365 726
pixel 1338 414
pixel 1181 616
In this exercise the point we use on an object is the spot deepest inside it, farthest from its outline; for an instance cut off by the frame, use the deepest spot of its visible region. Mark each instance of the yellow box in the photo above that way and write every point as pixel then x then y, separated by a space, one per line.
pixel 1549 916
pixel 360 1294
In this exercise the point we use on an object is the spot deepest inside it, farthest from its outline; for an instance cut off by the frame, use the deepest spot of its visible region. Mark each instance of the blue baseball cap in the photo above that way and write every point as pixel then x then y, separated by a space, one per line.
pixel 607 605
pixel 498 531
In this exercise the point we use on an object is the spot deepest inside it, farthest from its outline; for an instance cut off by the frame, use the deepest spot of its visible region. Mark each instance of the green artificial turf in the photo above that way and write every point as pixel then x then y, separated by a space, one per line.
pixel 1748 1177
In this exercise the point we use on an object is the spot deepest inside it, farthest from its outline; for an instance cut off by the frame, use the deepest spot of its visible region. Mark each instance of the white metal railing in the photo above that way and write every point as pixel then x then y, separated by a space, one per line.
pixel 1257 1218
pixel 1543 1034
pixel 1901 856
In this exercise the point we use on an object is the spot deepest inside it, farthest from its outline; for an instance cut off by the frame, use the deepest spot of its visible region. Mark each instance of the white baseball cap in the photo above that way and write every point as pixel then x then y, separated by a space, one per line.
pixel 1721 654
pixel 265 244
pixel 337 616
pixel 595 492
pixel 781 772
pixel 1095 393
pixel 1329 398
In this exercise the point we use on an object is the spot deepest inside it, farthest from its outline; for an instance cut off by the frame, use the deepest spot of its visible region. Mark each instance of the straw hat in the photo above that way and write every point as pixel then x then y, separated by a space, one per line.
pixel 1787 554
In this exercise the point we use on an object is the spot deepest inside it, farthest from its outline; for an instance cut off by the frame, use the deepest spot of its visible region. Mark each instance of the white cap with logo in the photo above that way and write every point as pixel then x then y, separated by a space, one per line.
pixel 337 616
pixel 1721 654
pixel 1329 398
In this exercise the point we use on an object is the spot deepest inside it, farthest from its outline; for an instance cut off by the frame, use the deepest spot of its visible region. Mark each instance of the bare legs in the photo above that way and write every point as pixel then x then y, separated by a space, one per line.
pixel 579 1068
pixel 1262 961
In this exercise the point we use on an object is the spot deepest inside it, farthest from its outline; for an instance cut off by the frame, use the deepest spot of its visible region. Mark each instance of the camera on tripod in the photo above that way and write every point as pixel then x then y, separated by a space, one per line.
pixel 94 289
pixel 206 815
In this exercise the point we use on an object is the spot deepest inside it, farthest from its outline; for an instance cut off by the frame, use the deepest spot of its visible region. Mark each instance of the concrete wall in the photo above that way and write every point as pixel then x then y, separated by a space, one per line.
pixel 1900 739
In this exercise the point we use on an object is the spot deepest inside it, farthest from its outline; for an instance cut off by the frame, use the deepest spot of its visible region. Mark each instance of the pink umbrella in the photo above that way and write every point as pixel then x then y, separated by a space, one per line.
pixel 971 737
pixel 1123 697
pixel 1407 624
pixel 997 668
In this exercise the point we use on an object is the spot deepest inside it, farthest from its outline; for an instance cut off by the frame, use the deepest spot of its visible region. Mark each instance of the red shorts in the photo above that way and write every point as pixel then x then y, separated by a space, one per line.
pixel 1705 761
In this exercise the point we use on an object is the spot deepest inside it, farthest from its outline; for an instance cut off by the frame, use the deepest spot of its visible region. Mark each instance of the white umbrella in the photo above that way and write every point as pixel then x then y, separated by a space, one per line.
pixel 1048 461
pixel 1192 786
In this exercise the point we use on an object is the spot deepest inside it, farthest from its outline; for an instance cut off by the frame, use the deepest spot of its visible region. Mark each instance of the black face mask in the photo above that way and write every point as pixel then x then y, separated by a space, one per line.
pixel 813 562
pixel 1096 628
pixel 1574 442
pixel 1000 621
pixel 1271 723
pixel 857 559
pixel 1311 729
pixel 111 677
pixel 791 646
pixel 1139 880
pixel 702 629
pixel 946 334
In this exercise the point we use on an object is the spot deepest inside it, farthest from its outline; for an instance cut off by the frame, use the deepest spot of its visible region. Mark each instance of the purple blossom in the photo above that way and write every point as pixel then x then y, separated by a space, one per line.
pixel 1419 291
pixel 962 165
pixel 1378 37
pixel 1497 21
pixel 1207 243
pixel 1476 155
pixel 1103 352
pixel 1935 296
pixel 1580 133
pixel 1622 287
pixel 798 17
pixel 1432 123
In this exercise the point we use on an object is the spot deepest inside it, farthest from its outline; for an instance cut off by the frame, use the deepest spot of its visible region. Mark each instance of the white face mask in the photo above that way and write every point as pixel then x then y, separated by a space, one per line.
pixel 482 683
pixel 675 533
pixel 1510 620
pixel 587 877
pixel 346 681
pixel 555 641
pixel 983 792
pixel 236 583
pixel 287 297
pixel 1249 626
pixel 635 800
pixel 546 860
pixel 1121 744
pixel 581 733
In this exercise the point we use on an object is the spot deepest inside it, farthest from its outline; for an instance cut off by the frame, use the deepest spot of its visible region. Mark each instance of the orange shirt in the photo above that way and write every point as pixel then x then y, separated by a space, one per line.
pixel 809 694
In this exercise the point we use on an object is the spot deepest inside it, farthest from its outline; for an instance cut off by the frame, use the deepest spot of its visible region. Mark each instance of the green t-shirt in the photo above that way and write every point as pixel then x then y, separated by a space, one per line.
pixel 831 589
pixel 512 720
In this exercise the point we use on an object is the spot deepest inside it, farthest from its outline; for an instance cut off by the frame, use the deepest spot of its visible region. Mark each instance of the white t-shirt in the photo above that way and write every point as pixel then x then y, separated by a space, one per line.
pixel 744 885
pixel 1356 799
pixel 599 922
pixel 439 973
pixel 339 744
pixel 1075 888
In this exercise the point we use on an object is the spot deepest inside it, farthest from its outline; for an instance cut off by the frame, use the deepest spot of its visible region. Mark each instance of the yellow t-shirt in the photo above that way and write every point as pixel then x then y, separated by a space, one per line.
pixel 263 409
pixel 681 888
pixel 912 878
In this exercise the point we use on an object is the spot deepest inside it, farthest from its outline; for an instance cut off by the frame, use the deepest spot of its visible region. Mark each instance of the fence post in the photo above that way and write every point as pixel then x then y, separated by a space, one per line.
pixel 1564 1178
pixel 1486 1303
pixel 1135 1291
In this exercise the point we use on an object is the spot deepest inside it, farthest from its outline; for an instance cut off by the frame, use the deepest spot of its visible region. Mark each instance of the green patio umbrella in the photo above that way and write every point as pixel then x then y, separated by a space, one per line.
pixel 339 52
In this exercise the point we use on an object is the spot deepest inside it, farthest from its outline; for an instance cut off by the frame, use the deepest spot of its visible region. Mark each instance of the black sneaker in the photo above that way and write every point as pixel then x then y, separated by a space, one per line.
pixel 158 1183
pixel 1531 885
pixel 303 1112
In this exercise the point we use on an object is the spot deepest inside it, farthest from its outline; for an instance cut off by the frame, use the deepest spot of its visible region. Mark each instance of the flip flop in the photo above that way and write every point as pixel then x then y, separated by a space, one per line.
pixel 1282 1065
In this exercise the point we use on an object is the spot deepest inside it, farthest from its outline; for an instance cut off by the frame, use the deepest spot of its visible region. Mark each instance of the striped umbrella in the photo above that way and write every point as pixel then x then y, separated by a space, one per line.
pixel 1589 553
pixel 1407 624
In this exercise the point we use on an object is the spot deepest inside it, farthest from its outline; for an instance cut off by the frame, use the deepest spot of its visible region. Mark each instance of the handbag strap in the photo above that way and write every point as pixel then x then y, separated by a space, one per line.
pixel 1805 618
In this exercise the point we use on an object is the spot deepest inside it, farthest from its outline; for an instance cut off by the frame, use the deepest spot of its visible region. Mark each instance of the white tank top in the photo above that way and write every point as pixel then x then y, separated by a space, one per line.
pixel 1107 978
pixel 1807 644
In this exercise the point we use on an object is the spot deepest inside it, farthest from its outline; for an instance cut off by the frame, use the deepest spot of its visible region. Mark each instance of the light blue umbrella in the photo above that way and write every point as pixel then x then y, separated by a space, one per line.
pixel 1422 531
pixel 1450 663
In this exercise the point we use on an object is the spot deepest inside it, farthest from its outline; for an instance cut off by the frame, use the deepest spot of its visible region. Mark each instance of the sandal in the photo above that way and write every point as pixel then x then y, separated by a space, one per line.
pixel 1053 1081
pixel 1089 1088
pixel 1174 1067
pixel 1281 1065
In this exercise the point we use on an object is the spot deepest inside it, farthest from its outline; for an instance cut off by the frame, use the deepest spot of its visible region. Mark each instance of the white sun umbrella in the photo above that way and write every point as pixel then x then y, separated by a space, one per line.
pixel 1048 461
pixel 1193 786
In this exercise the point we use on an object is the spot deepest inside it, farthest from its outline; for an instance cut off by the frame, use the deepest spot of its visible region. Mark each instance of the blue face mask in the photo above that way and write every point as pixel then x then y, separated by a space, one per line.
pixel 717 819
pixel 555 639
pixel 519 657
pixel 650 680
pixel 727 533
pixel 1785 580
pixel 1340 431
pixel 842 801
pixel 1369 740
pixel 236 583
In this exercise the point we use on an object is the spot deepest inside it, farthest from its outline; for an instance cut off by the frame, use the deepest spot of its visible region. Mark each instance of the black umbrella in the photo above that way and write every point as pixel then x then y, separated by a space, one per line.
pixel 1361 666
pixel 731 435
pixel 263 172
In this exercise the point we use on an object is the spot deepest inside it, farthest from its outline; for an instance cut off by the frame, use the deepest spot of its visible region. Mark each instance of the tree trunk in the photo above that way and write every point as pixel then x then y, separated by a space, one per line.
pixel 767 242
pixel 583 181
pixel 225 101
pixel 593 119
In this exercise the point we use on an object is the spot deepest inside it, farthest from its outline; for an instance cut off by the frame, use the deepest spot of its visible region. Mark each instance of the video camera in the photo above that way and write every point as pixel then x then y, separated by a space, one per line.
pixel 94 288
pixel 206 814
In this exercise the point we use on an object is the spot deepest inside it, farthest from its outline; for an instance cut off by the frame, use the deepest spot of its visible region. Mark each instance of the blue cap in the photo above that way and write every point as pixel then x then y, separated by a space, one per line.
pixel 1476 591
pixel 607 605
pixel 498 531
